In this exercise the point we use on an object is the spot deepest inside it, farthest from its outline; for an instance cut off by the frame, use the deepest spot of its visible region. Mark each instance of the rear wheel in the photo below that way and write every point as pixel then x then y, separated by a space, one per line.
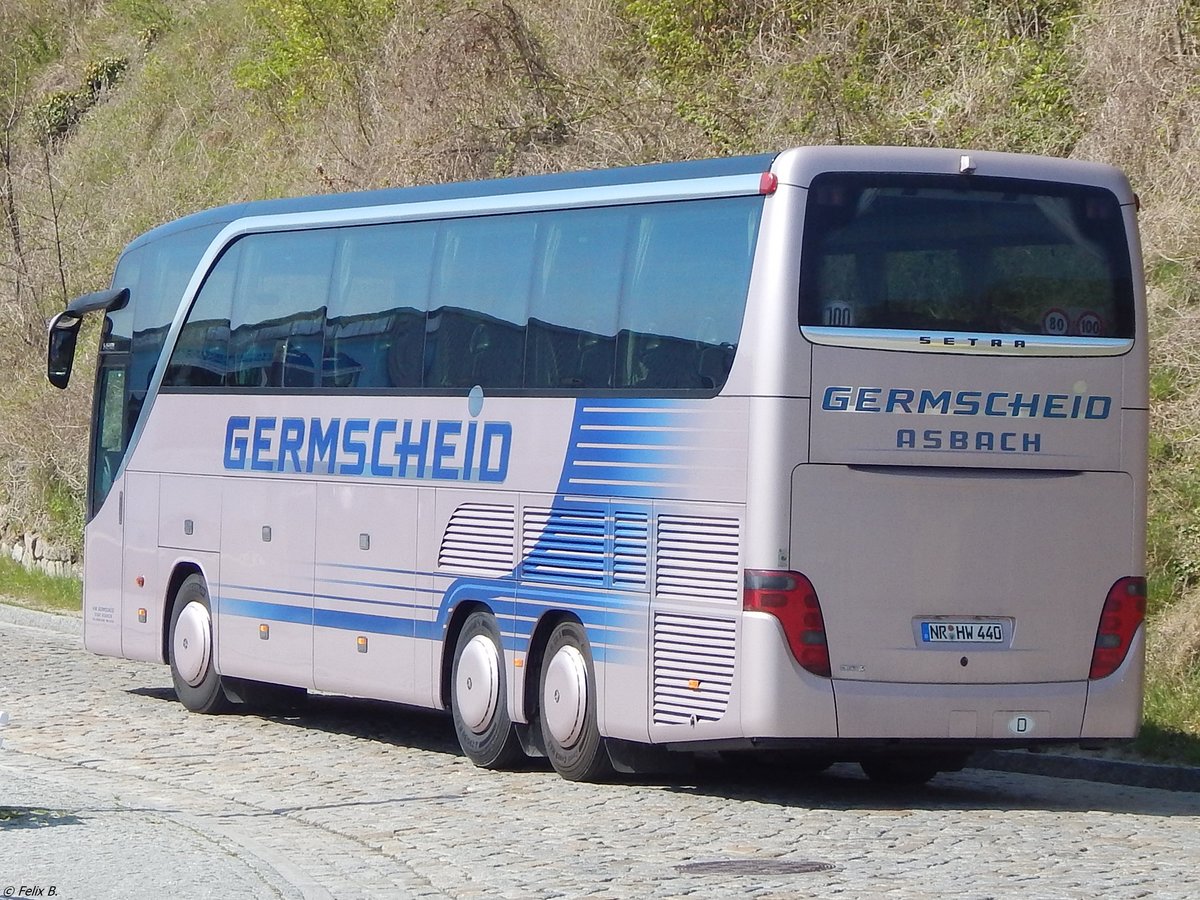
pixel 567 706
pixel 191 650
pixel 479 696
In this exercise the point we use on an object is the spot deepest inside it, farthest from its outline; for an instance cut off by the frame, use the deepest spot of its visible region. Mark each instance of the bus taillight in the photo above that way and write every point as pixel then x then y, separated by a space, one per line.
pixel 790 598
pixel 1124 610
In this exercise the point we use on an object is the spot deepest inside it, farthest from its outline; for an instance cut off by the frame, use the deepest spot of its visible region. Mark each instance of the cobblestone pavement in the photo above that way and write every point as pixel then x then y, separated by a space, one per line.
pixel 109 788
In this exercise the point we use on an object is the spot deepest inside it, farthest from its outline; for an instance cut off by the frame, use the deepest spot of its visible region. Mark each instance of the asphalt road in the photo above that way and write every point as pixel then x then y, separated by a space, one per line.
pixel 109 788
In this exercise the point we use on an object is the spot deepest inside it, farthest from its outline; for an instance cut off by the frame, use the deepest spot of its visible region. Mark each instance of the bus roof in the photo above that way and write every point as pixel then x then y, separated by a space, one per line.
pixel 676 171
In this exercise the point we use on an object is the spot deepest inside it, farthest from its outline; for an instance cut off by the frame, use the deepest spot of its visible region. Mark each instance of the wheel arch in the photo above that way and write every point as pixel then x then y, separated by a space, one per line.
pixel 458 618
pixel 179 574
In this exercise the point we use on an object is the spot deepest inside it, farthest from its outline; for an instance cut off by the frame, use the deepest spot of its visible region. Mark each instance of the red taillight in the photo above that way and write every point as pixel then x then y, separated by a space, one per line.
pixel 1124 610
pixel 791 599
pixel 768 183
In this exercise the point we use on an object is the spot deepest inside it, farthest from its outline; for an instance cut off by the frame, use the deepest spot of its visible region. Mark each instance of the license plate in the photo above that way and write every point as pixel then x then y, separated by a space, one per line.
pixel 944 632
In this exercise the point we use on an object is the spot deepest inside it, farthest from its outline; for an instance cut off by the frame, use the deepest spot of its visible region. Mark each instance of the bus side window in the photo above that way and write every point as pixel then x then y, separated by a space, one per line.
pixel 647 297
pixel 576 292
pixel 482 282
pixel 163 274
pixel 687 276
pixel 278 317
pixel 200 355
pixel 376 322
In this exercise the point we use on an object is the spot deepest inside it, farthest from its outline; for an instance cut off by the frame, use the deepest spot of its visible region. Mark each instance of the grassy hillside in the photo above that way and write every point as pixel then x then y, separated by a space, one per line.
pixel 116 115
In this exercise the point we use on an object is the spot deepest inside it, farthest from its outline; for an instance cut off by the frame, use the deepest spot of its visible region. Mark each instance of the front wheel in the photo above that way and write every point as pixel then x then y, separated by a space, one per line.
pixel 191 650
pixel 479 696
pixel 567 708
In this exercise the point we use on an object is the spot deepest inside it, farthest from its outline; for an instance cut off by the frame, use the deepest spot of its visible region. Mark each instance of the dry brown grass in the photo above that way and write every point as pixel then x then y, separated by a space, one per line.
pixel 1174 651
pixel 499 88
pixel 1143 68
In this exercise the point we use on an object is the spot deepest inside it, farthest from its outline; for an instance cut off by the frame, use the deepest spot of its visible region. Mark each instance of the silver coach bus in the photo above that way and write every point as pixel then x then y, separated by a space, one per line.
pixel 838 452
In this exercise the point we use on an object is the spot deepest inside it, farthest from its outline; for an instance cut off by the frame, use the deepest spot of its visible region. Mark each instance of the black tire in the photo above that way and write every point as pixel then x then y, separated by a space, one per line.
pixel 191 650
pixel 479 696
pixel 567 706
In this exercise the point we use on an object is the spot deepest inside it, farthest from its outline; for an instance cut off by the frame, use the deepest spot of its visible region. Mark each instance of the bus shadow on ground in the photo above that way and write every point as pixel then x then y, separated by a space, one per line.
pixel 841 786
pixel 16 817
pixel 376 720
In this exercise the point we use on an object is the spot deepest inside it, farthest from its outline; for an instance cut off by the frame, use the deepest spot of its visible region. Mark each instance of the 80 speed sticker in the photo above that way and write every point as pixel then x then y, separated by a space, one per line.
pixel 1057 322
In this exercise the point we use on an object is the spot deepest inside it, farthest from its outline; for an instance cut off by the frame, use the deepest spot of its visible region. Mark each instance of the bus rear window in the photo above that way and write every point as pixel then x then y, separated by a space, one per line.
pixel 965 254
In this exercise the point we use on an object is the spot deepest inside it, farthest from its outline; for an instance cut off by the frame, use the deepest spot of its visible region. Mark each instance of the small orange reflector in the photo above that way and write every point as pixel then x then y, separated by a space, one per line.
pixel 694 684
pixel 362 644
pixel 142 616
pixel 264 632
pixel 140 581
pixel 518 663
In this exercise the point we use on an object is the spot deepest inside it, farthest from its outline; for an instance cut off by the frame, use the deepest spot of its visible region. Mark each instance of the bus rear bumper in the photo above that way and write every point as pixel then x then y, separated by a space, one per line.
pixel 968 712
pixel 780 700
pixel 1106 708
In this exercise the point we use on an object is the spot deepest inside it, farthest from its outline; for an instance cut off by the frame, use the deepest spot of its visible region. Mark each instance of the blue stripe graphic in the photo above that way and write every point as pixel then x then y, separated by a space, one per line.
pixel 606 594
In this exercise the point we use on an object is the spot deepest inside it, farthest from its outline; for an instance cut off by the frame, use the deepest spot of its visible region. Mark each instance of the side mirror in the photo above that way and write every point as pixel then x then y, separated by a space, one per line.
pixel 60 350
pixel 64 330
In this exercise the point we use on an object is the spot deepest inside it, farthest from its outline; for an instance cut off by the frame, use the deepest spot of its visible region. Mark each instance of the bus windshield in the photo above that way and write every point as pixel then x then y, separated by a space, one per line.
pixel 965 254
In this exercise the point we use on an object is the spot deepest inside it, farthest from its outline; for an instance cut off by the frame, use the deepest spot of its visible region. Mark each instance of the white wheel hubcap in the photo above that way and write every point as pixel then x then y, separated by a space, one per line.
pixel 564 698
pixel 192 645
pixel 477 684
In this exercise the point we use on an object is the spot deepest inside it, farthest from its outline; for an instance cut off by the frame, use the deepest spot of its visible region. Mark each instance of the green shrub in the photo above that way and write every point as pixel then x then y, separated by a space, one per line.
pixel 311 46
pixel 56 115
